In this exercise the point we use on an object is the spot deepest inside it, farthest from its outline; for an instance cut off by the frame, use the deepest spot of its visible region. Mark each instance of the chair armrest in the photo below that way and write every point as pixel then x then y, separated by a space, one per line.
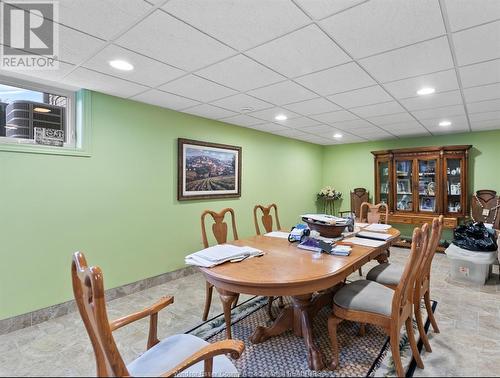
pixel 234 347
pixel 149 311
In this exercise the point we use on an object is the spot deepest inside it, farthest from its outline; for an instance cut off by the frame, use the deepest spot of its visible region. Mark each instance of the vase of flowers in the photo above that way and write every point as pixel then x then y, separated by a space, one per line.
pixel 328 195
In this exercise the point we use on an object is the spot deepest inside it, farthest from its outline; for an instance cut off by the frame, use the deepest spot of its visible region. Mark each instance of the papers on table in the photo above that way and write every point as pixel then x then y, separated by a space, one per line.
pixel 221 253
pixel 278 234
pixel 374 235
pixel 324 219
pixel 377 227
pixel 365 242
pixel 361 225
pixel 341 250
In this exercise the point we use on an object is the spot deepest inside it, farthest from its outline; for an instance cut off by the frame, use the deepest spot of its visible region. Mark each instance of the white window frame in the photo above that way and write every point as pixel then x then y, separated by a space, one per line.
pixel 74 144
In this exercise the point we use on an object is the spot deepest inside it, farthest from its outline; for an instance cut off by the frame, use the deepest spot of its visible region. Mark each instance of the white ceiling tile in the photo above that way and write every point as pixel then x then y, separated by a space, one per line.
pixel 360 97
pixel 321 130
pixel 445 111
pixel 51 75
pixel 485 92
pixel 434 100
pixel 352 139
pixel 146 71
pixel 442 81
pixel 406 128
pixel 283 93
pixel 481 73
pixel 319 9
pixel 197 88
pixel 299 123
pixel 292 133
pixel 391 119
pixel 483 106
pixel 356 125
pixel 165 100
pixel 301 56
pixel 243 120
pixel 240 101
pixel 84 78
pixel 477 44
pixel 102 18
pixel 269 127
pixel 169 40
pixel 381 25
pixel 488 116
pixel 241 24
pixel 240 73
pixel 75 47
pixel 461 128
pixel 456 122
pixel 466 13
pixel 333 117
pixel 485 125
pixel 378 135
pixel 337 79
pixel 209 111
pixel 270 113
pixel 419 59
pixel 314 106
pixel 391 107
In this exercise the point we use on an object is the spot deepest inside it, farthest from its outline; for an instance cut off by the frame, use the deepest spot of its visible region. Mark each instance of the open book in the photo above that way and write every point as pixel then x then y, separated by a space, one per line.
pixel 221 253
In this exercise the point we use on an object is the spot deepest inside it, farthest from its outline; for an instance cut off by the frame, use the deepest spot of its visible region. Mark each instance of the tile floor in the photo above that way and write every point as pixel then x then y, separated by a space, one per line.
pixel 468 316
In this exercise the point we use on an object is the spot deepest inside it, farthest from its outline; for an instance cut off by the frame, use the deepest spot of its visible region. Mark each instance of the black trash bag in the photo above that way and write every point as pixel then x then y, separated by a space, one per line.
pixel 474 237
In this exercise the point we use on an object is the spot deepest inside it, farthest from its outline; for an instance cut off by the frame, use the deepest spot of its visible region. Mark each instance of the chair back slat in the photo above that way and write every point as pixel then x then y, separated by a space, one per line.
pixel 88 288
pixel 435 237
pixel 219 227
pixel 404 290
pixel 370 213
pixel 267 218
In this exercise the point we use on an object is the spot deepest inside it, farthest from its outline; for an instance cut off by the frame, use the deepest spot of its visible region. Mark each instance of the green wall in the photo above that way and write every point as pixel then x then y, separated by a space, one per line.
pixel 119 206
pixel 350 166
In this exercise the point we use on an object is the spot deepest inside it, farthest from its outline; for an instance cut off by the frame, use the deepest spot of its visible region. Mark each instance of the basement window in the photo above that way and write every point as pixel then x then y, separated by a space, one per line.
pixel 32 115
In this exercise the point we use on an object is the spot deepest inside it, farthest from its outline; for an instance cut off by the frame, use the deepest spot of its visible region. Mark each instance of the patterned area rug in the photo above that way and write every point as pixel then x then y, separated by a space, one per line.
pixel 284 355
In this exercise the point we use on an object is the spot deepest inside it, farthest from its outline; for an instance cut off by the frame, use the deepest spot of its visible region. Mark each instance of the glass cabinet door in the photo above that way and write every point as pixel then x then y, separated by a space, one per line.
pixel 454 184
pixel 404 185
pixel 427 186
pixel 383 174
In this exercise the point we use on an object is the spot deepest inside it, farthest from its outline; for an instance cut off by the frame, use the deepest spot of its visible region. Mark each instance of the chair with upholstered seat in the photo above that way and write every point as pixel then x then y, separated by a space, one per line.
pixel 176 355
pixel 267 222
pixel 370 213
pixel 219 229
pixel 369 302
pixel 390 276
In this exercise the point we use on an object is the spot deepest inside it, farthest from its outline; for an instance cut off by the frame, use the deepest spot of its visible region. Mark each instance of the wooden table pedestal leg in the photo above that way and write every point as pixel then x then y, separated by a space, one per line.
pixel 227 298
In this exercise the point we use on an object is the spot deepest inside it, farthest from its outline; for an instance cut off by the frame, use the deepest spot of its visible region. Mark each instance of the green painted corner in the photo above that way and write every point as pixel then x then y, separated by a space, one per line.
pixel 118 202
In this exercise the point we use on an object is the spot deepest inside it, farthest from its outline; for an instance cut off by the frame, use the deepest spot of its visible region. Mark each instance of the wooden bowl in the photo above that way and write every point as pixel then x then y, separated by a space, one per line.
pixel 328 231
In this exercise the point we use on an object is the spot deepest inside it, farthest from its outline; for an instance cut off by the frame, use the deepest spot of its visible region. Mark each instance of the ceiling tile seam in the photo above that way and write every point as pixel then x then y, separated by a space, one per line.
pixel 435 93
pixel 373 78
pixel 335 13
pixel 323 124
pixel 474 26
pixel 446 21
pixel 118 35
pixel 359 65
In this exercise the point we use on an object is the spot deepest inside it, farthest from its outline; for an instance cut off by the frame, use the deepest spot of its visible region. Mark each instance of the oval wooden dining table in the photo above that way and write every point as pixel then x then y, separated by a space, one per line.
pixel 285 270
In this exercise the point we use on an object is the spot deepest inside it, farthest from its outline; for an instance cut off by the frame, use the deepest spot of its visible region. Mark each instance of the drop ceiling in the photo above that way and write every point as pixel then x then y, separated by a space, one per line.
pixel 351 67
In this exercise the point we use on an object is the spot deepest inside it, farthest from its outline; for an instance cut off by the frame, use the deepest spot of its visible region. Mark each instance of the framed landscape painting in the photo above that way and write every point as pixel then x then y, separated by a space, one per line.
pixel 208 170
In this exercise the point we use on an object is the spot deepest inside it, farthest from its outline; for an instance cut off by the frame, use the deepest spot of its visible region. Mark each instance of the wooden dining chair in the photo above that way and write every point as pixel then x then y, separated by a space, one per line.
pixel 357 196
pixel 390 275
pixel 369 302
pixel 220 231
pixel 175 354
pixel 267 222
pixel 266 218
pixel 370 213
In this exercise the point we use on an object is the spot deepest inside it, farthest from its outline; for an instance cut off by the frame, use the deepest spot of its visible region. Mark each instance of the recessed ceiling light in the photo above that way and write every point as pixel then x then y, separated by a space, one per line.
pixel 281 117
pixel 337 135
pixel 41 110
pixel 121 65
pixel 426 91
pixel 444 123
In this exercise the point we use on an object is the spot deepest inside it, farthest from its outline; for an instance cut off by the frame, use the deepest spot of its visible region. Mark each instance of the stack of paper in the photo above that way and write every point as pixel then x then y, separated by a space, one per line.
pixel 221 253
pixel 278 234
pixel 365 242
pixel 374 235
pixel 378 227
pixel 341 250
pixel 324 219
